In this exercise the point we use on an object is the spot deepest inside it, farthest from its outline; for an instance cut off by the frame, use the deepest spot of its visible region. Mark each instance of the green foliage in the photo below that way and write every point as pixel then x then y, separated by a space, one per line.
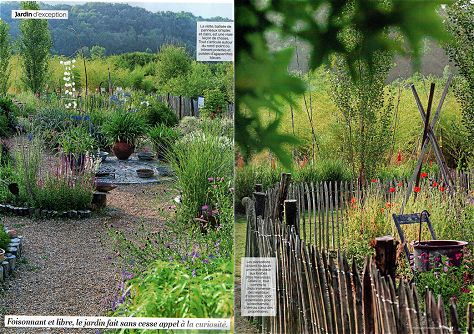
pixel 133 59
pixel 35 43
pixel 118 27
pixel 173 61
pixel 61 189
pixel 214 103
pixel 262 80
pixel 4 238
pixel 8 113
pixel 365 111
pixel 5 54
pixel 162 136
pixel 76 140
pixel 167 289
pixel 157 112
pixel 124 126
pixel 449 282
pixel 97 52
pixel 65 191
pixel 460 23
pixel 49 122
pixel 193 159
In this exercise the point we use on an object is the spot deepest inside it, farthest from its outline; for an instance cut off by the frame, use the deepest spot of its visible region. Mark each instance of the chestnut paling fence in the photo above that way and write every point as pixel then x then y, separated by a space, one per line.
pixel 322 206
pixel 320 291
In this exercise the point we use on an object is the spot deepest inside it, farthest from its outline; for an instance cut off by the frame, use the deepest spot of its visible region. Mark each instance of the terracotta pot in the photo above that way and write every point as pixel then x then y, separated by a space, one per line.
pixel 123 150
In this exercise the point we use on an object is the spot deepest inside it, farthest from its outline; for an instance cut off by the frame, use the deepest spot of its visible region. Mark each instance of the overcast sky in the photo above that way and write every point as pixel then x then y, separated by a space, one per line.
pixel 206 9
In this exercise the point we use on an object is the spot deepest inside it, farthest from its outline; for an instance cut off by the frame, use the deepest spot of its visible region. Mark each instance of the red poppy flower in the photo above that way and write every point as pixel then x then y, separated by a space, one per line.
pixel 399 156
pixel 374 180
pixel 424 175
pixel 441 188
pixel 382 210
pixel 434 184
pixel 417 189
pixel 400 184
pixel 353 200
pixel 388 205
pixel 392 189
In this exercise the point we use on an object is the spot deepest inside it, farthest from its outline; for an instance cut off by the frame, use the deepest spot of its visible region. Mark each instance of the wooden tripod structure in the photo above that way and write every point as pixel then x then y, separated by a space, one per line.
pixel 429 137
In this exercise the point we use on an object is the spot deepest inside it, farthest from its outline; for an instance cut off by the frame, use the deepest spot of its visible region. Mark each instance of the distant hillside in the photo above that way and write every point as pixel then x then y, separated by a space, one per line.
pixel 118 28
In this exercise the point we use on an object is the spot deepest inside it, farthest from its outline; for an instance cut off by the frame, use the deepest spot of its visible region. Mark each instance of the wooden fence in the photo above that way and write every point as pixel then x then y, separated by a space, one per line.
pixel 185 106
pixel 322 206
pixel 182 106
pixel 321 292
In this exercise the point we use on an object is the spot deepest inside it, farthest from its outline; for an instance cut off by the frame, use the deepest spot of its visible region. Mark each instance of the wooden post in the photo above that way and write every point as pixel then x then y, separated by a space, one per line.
pixel 386 255
pixel 99 199
pixel 259 204
pixel 282 195
pixel 291 213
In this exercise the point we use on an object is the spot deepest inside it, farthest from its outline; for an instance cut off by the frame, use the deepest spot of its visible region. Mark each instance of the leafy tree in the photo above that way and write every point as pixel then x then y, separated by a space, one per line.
pixel 173 61
pixel 214 102
pixel 262 80
pixel 365 111
pixel 460 24
pixel 97 52
pixel 5 54
pixel 35 42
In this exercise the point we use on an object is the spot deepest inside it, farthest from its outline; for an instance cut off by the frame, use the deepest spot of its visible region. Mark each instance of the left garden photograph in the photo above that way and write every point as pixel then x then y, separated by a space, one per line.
pixel 116 163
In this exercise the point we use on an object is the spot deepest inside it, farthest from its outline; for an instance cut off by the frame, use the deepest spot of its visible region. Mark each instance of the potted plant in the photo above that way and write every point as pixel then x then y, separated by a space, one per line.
pixel 161 136
pixel 123 129
pixel 75 144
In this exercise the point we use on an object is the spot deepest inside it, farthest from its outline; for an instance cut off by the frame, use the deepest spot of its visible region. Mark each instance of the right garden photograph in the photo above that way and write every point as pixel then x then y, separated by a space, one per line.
pixel 354 167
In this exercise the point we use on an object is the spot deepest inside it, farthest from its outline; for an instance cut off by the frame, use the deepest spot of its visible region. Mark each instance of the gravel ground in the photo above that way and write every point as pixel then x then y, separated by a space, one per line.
pixel 68 267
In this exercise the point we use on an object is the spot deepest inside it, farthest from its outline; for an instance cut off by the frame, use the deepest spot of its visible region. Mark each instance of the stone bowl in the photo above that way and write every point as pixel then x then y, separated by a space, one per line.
pixel 145 173
pixel 145 156
pixel 104 186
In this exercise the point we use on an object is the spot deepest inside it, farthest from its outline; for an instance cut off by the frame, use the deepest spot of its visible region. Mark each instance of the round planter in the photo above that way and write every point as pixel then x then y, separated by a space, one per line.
pixel 145 156
pixel 104 186
pixel 2 255
pixel 429 253
pixel 123 150
pixel 145 173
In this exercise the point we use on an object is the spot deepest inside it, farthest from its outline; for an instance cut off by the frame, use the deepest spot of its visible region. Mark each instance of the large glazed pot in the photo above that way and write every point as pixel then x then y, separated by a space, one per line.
pixel 428 254
pixel 123 150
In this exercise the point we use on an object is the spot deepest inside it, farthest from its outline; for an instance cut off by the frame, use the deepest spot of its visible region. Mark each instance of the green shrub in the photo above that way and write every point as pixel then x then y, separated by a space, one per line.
pixel 124 126
pixel 214 103
pixel 169 290
pixel 449 282
pixel 4 238
pixel 157 112
pixel 76 140
pixel 8 113
pixel 162 136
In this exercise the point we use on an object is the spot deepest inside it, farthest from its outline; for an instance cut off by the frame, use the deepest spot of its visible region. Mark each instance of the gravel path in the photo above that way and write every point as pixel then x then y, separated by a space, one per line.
pixel 68 267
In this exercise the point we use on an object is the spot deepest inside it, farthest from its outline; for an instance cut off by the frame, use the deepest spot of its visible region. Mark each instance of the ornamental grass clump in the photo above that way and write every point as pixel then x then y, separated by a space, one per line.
pixel 124 126
pixel 195 158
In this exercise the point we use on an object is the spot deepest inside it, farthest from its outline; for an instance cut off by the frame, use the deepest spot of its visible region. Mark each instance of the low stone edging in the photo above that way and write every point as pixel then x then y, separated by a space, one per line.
pixel 12 254
pixel 41 213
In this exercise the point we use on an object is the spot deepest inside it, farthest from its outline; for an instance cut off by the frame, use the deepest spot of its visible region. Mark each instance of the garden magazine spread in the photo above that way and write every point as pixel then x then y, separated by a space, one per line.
pixel 257 167
pixel 116 166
